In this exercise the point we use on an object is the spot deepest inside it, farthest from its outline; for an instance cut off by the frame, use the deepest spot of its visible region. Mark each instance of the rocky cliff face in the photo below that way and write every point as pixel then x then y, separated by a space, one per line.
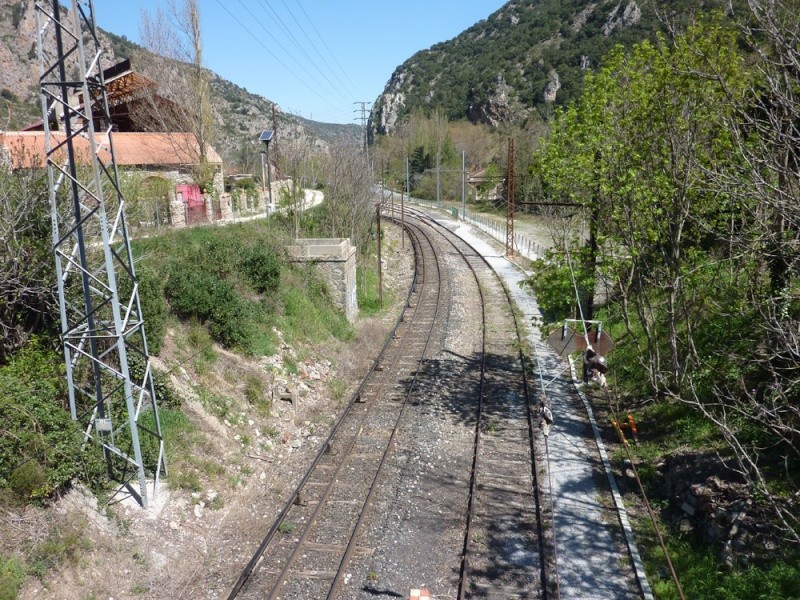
pixel 525 56
pixel 19 63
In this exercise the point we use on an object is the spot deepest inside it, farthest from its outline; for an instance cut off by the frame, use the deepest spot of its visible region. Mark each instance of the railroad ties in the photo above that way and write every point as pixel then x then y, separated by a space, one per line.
pixel 503 545
pixel 456 503
pixel 306 553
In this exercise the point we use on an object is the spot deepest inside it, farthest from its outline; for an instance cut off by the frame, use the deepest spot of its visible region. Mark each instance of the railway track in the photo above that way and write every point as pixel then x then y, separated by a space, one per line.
pixel 505 545
pixel 323 534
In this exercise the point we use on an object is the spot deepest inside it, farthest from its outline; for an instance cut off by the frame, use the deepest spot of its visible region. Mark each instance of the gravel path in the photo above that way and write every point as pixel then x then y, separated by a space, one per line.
pixel 593 561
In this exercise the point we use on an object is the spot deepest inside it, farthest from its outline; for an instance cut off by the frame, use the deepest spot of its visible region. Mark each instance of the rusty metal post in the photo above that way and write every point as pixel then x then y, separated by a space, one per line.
pixel 403 209
pixel 511 190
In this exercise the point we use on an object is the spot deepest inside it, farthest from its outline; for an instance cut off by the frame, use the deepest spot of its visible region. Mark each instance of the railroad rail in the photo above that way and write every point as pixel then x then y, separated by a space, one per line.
pixel 310 548
pixel 505 546
pixel 325 509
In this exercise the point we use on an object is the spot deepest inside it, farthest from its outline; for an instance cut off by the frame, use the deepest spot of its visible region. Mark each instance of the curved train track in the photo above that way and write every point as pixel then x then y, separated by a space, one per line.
pixel 317 540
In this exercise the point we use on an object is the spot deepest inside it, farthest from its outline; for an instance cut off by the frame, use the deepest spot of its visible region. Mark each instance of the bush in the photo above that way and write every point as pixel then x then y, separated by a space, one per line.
pixel 44 453
pixel 232 323
pixel 154 307
pixel 12 576
pixel 262 269
pixel 234 283
pixel 165 395
pixel 212 300
pixel 193 292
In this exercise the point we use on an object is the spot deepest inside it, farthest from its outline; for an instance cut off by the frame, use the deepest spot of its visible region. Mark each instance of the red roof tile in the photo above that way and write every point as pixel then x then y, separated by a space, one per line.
pixel 27 149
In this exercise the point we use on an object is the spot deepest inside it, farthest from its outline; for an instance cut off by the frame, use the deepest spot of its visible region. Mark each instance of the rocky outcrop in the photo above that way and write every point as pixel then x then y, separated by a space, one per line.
pixel 622 17
pixel 496 108
pixel 19 62
pixel 537 47
pixel 710 502
pixel 551 88
pixel 389 113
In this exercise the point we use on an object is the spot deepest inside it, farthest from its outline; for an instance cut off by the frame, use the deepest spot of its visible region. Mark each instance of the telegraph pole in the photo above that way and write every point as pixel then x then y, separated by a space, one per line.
pixel 438 181
pixel 101 330
pixel 380 266
pixel 403 208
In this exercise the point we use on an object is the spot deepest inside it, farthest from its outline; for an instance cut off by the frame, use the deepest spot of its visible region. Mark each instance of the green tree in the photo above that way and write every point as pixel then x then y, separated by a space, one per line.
pixel 634 151
pixel 670 152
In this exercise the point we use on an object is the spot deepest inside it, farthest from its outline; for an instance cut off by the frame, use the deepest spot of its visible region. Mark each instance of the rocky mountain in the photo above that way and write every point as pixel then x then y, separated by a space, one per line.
pixel 520 61
pixel 240 115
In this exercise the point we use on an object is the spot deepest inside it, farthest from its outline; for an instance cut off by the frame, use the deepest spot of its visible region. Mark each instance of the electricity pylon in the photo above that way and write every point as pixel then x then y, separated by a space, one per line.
pixel 109 377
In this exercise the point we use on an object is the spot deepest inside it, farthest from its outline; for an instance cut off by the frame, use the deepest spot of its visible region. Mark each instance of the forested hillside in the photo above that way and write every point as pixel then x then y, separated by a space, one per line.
pixel 527 56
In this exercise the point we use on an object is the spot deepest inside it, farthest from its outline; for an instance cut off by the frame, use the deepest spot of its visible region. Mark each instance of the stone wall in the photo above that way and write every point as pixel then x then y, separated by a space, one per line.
pixel 335 260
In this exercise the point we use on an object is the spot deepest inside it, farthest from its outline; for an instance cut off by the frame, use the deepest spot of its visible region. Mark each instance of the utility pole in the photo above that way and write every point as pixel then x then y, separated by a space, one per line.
pixel 403 208
pixel 511 191
pixel 438 181
pixel 101 330
pixel 380 266
pixel 464 185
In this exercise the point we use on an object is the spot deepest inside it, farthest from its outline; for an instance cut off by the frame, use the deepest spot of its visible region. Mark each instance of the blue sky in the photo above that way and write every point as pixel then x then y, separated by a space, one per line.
pixel 314 58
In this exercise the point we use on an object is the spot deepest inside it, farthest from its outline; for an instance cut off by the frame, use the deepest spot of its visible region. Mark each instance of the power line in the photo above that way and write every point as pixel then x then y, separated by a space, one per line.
pixel 288 32
pixel 267 49
pixel 258 41
pixel 332 55
pixel 268 31
pixel 351 91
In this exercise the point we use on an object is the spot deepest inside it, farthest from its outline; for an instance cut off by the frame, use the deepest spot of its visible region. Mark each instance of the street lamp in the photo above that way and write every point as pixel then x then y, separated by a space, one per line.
pixel 266 137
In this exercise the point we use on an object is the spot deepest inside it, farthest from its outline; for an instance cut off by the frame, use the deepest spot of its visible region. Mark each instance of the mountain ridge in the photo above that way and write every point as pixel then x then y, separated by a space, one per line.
pixel 519 62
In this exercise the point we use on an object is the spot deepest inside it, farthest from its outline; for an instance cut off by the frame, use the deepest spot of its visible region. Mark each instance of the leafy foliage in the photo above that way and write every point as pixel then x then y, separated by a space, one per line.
pixel 27 275
pixel 40 449
pixel 230 280
pixel 552 282
pixel 12 576
pixel 666 151
pixel 701 577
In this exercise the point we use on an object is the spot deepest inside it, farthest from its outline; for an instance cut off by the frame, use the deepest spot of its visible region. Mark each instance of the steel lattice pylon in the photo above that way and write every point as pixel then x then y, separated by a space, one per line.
pixel 111 391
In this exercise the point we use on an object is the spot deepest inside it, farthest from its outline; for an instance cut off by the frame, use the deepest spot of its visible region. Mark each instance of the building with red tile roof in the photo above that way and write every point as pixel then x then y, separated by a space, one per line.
pixel 26 149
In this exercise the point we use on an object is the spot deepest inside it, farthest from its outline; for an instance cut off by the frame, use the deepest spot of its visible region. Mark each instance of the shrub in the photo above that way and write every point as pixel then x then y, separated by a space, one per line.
pixel 193 292
pixel 231 323
pixel 262 269
pixel 165 395
pixel 154 307
pixel 64 544
pixel 12 576
pixel 44 453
